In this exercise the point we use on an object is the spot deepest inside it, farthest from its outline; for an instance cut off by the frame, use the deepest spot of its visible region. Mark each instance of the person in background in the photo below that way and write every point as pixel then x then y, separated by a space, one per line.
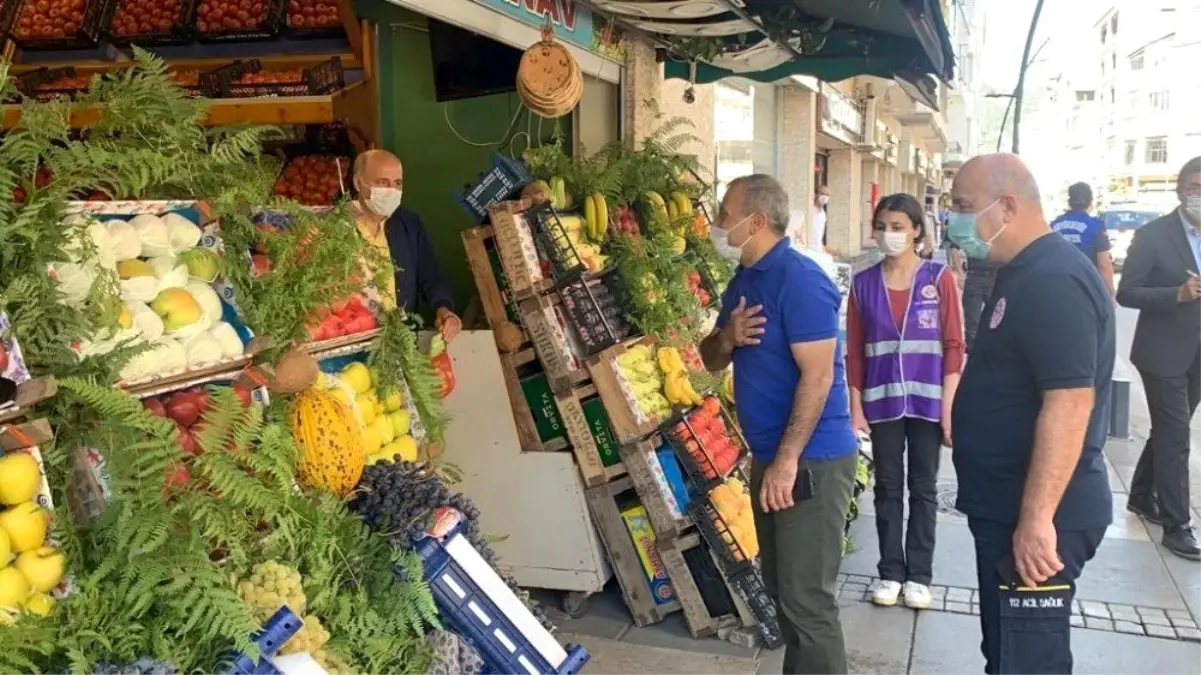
pixel 1030 418
pixel 904 353
pixel 399 233
pixel 779 326
pixel 1162 279
pixel 1086 232
pixel 817 218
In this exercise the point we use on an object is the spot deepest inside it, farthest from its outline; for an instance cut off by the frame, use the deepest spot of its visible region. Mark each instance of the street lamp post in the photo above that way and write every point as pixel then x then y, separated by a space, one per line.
pixel 1019 93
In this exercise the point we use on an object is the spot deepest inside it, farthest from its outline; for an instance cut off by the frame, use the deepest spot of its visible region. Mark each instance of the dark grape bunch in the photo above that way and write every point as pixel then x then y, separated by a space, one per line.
pixel 143 666
pixel 398 499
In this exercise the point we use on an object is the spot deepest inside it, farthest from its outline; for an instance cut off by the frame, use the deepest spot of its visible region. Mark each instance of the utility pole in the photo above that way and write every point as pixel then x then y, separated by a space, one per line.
pixel 1020 92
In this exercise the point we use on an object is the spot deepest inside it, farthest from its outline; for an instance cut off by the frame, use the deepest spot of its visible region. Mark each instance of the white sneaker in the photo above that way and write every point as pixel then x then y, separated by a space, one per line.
pixel 917 596
pixel 885 593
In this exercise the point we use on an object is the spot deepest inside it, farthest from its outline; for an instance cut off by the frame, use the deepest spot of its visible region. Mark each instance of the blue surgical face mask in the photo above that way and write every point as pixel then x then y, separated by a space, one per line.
pixel 721 241
pixel 962 229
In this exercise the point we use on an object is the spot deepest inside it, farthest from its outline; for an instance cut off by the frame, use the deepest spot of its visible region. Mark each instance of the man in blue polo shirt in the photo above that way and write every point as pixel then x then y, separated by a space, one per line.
pixel 779 327
pixel 1086 232
pixel 1030 418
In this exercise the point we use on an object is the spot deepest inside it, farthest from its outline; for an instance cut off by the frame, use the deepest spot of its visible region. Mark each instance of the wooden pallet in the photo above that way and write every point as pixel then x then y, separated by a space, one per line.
pixel 603 369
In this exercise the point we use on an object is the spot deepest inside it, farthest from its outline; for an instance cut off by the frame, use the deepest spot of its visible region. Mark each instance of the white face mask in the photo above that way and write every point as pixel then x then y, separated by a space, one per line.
pixel 721 241
pixel 1193 207
pixel 822 200
pixel 383 201
pixel 893 243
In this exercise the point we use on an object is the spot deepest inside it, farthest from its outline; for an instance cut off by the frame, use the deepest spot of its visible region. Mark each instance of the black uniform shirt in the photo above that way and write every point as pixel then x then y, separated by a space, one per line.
pixel 1049 324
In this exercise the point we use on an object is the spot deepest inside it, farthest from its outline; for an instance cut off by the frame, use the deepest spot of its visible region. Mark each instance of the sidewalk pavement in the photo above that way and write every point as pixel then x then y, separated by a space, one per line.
pixel 1137 610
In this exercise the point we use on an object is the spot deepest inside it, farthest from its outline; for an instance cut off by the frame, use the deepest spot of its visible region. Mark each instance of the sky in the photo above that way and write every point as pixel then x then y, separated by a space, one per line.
pixel 1065 22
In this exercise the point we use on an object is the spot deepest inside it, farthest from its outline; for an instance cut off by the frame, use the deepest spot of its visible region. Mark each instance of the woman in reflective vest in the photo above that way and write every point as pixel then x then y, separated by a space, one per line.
pixel 904 354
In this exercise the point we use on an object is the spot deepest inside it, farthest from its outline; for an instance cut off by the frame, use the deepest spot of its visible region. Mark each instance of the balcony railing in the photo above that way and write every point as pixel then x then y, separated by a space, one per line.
pixel 841 117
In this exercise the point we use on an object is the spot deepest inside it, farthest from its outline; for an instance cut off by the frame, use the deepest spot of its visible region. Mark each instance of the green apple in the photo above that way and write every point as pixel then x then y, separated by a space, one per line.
pixel 129 269
pixel 26 526
pixel 43 567
pixel 203 264
pixel 14 588
pixel 20 478
pixel 177 308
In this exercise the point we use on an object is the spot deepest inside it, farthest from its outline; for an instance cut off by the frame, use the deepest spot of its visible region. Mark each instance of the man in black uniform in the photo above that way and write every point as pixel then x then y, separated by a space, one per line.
pixel 1029 418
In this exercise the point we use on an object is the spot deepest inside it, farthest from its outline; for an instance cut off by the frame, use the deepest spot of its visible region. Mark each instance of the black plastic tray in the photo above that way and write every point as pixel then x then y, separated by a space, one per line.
pixel 31 84
pixel 713 528
pixel 313 32
pixel 584 301
pixel 182 32
pixel 695 471
pixel 748 584
pixel 84 37
pixel 551 237
pixel 319 80
pixel 276 10
pixel 8 16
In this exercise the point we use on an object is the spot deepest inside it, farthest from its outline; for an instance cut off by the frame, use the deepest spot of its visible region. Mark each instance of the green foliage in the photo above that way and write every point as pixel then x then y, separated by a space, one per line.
pixel 583 175
pixel 316 261
pixel 652 277
pixel 148 144
pixel 155 574
pixel 656 164
pixel 396 352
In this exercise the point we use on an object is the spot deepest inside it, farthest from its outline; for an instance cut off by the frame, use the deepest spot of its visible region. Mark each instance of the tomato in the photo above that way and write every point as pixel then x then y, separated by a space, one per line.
pixel 446 372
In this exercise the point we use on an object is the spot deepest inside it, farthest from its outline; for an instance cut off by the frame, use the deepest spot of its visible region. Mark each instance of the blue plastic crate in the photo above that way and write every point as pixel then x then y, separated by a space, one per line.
pixel 497 184
pixel 479 607
pixel 276 632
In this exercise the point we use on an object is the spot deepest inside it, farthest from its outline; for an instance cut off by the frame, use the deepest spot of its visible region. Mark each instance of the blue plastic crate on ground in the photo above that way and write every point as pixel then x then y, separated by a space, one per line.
pixel 474 602
pixel 497 184
pixel 278 630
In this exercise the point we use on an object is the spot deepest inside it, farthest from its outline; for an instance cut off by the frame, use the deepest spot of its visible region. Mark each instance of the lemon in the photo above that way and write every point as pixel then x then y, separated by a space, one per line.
pixel 341 394
pixel 39 604
pixel 390 450
pixel 400 422
pixel 383 426
pixel 358 377
pixel 406 447
pixel 379 456
pixel 14 588
pixel 371 440
pixel 393 402
pixel 379 407
pixel 366 408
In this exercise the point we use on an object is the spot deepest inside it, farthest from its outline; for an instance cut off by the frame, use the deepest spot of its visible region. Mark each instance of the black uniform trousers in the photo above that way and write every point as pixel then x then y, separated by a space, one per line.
pixel 1162 469
pixel 1027 630
pixel 906 555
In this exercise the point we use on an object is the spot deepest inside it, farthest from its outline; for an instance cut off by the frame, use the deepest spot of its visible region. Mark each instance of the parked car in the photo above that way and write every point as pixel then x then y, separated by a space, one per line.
pixel 1120 225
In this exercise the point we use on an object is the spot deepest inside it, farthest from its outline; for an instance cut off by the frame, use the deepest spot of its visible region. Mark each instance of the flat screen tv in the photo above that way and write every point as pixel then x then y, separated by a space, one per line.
pixel 467 65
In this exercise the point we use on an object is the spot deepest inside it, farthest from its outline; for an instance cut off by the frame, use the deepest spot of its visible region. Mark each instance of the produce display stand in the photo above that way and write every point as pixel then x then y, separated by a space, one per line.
pixel 669 569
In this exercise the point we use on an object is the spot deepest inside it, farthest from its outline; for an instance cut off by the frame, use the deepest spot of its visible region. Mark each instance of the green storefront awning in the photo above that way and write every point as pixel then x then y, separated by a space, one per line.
pixel 831 40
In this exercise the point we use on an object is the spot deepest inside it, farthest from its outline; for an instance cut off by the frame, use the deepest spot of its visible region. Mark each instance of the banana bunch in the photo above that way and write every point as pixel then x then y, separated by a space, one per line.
pixel 596 216
pixel 658 206
pixel 676 385
pixel 678 206
pixel 727 387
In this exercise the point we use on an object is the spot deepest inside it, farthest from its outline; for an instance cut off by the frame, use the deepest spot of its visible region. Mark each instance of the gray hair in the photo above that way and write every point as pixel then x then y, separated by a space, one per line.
pixel 764 194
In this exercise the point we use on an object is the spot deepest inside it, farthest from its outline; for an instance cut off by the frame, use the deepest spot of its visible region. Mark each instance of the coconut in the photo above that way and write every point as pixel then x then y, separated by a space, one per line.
pixel 126 243
pixel 508 337
pixel 181 232
pixel 152 231
pixel 295 371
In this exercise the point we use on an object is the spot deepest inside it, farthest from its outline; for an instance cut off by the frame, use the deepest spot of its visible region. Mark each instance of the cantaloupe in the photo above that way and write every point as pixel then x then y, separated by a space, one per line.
pixel 329 440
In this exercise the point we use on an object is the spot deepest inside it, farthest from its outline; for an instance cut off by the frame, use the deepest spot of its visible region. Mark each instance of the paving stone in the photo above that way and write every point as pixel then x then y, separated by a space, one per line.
pixel 854 586
pixel 938 605
pixel 956 594
pixel 1156 630
pixel 1097 623
pixel 1095 609
pixel 1076 611
pixel 860 579
pixel 938 592
pixel 1130 573
pixel 1097 652
pixel 1190 634
pixel 1182 622
pixel 1153 616
pixel 1078 622
pixel 1128 627
pixel 853 596
pixel 975 609
pixel 1179 615
pixel 1125 613
pixel 959 607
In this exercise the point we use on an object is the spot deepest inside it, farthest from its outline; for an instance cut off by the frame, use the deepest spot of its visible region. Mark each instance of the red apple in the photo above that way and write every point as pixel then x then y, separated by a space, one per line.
pixel 188 442
pixel 259 264
pixel 183 408
pixel 155 406
pixel 178 477
pixel 244 394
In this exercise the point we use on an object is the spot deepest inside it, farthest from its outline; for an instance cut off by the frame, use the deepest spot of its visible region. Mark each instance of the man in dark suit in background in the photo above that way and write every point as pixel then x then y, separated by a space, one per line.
pixel 1162 279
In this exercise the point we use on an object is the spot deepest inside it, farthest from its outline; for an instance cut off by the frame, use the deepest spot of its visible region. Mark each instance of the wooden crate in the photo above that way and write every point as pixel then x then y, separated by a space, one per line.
pixel 518 253
pixel 623 556
pixel 542 321
pixel 696 614
pixel 603 369
pixel 640 461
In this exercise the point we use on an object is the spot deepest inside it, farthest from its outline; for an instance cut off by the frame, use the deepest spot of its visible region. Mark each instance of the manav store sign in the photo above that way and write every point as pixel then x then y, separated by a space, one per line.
pixel 572 22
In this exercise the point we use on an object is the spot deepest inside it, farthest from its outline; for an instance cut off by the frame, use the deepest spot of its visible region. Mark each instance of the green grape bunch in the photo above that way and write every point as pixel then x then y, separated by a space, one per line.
pixel 311 637
pixel 271 586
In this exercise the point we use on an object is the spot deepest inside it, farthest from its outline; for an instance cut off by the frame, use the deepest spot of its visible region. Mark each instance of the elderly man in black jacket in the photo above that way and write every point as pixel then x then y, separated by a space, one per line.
pixel 1162 279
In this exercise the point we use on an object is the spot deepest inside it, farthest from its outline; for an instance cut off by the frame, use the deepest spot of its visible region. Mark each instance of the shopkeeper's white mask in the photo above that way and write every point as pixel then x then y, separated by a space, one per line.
pixel 383 201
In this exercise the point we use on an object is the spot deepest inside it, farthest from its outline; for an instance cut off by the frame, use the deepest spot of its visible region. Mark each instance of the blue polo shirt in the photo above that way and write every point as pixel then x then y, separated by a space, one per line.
pixel 1048 325
pixel 800 303
pixel 1082 231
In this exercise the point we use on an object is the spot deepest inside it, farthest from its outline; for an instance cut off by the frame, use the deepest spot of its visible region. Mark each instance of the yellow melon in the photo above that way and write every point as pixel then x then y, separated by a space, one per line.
pixel 329 440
